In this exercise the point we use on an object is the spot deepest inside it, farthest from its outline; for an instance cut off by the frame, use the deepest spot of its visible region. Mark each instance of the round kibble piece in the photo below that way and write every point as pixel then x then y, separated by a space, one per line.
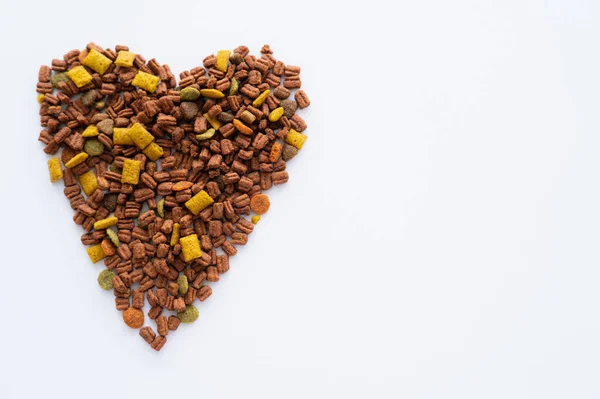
pixel 133 317
pixel 106 126
pixel 59 77
pixel 105 279
pixel 289 108
pixel 189 315
pixel 260 204
pixel 189 110
pixel 93 147
pixel 189 94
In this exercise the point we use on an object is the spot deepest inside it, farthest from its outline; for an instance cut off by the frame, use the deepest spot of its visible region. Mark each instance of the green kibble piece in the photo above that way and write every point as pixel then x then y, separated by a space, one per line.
pixel 115 168
pixel 105 281
pixel 93 147
pixel 59 77
pixel 189 315
pixel 113 237
pixel 160 208
pixel 234 87
pixel 182 281
pixel 189 94
pixel 100 105
pixel 206 135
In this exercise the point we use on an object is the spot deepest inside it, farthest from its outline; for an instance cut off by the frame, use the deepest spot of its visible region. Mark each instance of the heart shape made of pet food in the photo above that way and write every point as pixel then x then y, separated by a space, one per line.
pixel 161 175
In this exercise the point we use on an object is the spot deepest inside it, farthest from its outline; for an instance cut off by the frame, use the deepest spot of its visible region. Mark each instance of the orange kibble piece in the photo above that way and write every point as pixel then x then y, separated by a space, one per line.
pixel 241 127
pixel 133 317
pixel 275 152
pixel 260 204
pixel 182 185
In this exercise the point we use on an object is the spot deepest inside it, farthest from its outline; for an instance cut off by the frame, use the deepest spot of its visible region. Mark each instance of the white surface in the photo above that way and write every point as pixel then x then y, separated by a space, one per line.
pixel 437 239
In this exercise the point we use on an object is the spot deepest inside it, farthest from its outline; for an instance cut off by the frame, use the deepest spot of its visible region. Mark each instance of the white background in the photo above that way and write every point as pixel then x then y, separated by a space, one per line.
pixel 437 239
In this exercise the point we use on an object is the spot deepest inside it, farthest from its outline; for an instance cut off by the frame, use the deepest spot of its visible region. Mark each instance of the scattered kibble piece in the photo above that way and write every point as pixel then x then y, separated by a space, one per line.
pixel 189 315
pixel 88 182
pixel 212 93
pixel 198 202
pixel 222 60
pixel 97 61
pixel 258 101
pixel 190 247
pixel 254 219
pixel 276 114
pixel 105 279
pixel 79 76
pixel 77 159
pixel 125 59
pixel 295 138
pixel 260 204
pixel 153 151
pixel 90 131
pixel 131 171
pixel 93 147
pixel 145 81
pixel 175 234
pixel 121 136
pixel 55 170
pixel 189 94
pixel 106 223
pixel 182 282
pixel 96 253
pixel 133 317
pixel 114 238
pixel 140 136
pixel 214 122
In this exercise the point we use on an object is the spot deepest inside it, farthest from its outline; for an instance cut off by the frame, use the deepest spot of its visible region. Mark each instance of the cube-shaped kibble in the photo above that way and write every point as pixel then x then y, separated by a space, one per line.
pixel 153 151
pixel 295 138
pixel 80 76
pixel 125 58
pixel 55 170
pixel 90 131
pixel 198 202
pixel 140 136
pixel 131 171
pixel 121 136
pixel 88 182
pixel 96 253
pixel 97 61
pixel 190 247
pixel 145 81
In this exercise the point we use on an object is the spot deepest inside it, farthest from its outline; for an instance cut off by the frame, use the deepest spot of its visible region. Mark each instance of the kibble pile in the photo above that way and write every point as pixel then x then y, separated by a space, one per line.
pixel 163 175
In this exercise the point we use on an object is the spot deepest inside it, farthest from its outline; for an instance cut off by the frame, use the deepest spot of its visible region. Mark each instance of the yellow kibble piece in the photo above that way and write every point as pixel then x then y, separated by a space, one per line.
pixel 190 247
pixel 140 136
pixel 105 223
pixel 90 131
pixel 79 76
pixel 40 98
pixel 198 202
pixel 131 171
pixel 175 234
pixel 145 81
pixel 153 151
pixel 88 182
pixel 295 139
pixel 125 58
pixel 96 253
pixel 214 122
pixel 254 219
pixel 121 136
pixel 77 159
pixel 55 170
pixel 258 101
pixel 212 93
pixel 276 114
pixel 222 60
pixel 97 61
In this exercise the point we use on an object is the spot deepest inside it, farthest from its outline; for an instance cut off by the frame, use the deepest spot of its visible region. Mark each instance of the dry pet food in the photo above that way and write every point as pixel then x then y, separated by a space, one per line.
pixel 166 175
